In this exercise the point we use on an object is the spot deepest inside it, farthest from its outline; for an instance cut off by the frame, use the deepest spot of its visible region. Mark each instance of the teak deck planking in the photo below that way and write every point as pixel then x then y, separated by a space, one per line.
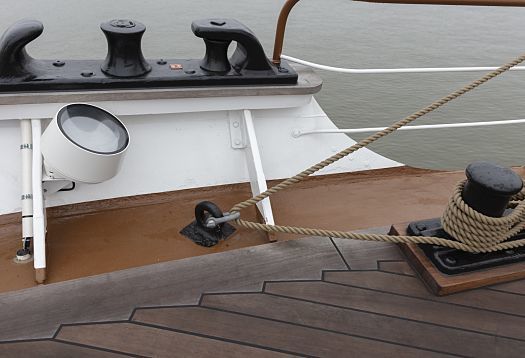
pixel 317 305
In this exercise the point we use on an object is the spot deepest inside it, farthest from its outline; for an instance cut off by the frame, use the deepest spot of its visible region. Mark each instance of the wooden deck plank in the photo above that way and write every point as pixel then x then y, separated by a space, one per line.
pixel 273 334
pixel 51 349
pixel 412 286
pixel 113 296
pixel 364 255
pixel 395 330
pixel 399 267
pixel 153 342
pixel 467 318
pixel 517 287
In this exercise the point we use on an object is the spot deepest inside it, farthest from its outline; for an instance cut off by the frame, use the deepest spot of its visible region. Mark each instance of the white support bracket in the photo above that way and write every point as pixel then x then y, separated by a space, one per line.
pixel 242 132
pixel 39 219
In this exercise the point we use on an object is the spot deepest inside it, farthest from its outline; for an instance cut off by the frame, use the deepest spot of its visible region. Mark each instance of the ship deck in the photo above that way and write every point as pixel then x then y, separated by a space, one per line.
pixel 302 297
pixel 104 236
pixel 307 297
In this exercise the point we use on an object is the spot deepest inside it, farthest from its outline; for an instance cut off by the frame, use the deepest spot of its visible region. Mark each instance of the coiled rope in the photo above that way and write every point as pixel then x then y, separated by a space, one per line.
pixel 477 230
pixel 463 222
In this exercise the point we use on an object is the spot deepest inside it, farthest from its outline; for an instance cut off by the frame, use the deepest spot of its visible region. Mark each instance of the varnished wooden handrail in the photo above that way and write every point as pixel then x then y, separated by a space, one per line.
pixel 289 4
pixel 454 2
pixel 279 32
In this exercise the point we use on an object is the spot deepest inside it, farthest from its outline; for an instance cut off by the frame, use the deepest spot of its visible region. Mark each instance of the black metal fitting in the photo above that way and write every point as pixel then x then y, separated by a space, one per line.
pixel 218 34
pixel 24 254
pixel 14 60
pixel 451 261
pixel 203 210
pixel 26 243
pixel 125 66
pixel 200 232
pixel 488 190
pixel 124 58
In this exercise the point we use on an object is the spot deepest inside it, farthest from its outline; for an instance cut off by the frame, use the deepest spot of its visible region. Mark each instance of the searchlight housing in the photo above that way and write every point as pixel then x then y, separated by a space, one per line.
pixel 84 143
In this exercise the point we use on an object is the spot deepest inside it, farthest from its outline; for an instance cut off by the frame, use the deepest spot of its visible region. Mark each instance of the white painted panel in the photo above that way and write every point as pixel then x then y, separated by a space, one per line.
pixel 284 155
pixel 183 150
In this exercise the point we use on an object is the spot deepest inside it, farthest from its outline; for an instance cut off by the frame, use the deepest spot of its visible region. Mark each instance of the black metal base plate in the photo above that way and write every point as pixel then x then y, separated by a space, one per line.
pixel 207 238
pixel 452 261
pixel 87 75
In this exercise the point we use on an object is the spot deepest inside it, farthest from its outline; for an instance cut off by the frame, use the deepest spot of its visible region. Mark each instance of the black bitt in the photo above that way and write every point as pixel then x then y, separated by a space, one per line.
pixel 125 66
pixel 249 54
pixel 198 232
pixel 124 58
pixel 488 190
pixel 216 57
pixel 14 60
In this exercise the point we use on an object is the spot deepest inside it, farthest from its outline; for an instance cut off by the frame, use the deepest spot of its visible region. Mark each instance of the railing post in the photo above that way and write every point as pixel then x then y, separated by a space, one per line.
pixel 281 28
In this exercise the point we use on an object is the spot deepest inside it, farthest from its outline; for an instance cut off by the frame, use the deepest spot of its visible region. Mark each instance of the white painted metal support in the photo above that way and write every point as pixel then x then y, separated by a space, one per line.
pixel 39 221
pixel 237 131
pixel 255 168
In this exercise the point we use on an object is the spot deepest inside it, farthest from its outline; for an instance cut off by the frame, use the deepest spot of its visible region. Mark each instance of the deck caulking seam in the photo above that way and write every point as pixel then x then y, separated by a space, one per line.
pixel 97 348
pixel 398 317
pixel 340 254
pixel 227 340
pixel 329 330
pixel 425 299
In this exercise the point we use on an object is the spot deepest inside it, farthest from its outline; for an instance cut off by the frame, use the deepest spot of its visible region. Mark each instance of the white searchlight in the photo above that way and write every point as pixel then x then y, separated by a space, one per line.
pixel 84 143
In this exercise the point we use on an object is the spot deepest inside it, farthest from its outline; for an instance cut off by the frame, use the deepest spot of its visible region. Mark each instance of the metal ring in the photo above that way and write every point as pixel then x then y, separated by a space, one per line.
pixel 203 209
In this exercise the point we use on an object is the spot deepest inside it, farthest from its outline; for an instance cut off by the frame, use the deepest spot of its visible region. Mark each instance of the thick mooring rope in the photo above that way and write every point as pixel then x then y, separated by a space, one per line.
pixel 477 230
pixel 465 221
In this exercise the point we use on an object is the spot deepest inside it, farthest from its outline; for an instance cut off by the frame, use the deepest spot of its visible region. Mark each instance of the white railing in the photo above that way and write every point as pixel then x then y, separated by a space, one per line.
pixel 393 70
pixel 298 133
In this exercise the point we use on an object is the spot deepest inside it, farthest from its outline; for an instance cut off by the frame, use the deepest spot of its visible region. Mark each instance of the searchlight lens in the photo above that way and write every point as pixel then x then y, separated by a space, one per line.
pixel 93 129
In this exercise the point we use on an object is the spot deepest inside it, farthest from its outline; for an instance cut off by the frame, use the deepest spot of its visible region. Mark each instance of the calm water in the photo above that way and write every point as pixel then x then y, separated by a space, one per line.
pixel 340 33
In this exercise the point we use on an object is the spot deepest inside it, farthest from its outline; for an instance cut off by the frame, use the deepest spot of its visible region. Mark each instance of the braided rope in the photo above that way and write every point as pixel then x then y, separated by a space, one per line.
pixel 520 196
pixel 465 222
pixel 475 229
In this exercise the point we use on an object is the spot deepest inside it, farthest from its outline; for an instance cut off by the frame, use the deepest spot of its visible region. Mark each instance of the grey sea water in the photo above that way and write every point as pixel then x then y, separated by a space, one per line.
pixel 346 34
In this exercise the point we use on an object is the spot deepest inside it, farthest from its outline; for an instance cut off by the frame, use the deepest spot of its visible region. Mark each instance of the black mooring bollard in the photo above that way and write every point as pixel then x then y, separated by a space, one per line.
pixel 124 57
pixel 489 188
